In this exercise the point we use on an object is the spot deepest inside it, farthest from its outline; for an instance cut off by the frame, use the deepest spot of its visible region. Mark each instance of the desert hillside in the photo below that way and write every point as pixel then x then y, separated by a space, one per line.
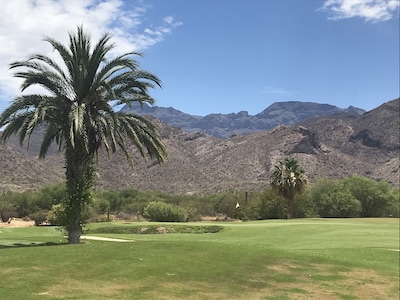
pixel 333 146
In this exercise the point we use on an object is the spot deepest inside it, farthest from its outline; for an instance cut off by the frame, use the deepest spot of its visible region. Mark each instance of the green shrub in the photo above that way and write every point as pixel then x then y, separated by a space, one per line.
pixel 393 209
pixel 270 205
pixel 303 207
pixel 331 199
pixel 164 212
pixel 55 214
pixel 39 217
pixel 339 204
pixel 353 197
pixel 100 205
pixel 48 196
pixel 225 203
pixel 193 214
pixel 103 218
pixel 374 196
pixel 7 212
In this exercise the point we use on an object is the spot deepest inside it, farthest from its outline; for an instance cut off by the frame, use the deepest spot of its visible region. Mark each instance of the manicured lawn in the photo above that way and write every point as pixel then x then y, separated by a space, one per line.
pixel 277 259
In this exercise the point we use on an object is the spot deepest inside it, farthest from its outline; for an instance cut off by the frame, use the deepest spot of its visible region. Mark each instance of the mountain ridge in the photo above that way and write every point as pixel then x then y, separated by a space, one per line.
pixel 225 125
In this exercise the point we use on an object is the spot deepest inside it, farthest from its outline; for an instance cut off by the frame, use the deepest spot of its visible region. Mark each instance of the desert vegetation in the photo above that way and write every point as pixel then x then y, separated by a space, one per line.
pixel 350 197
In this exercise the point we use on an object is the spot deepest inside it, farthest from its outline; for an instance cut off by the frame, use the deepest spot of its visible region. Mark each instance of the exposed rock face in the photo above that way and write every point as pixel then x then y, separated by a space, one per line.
pixel 367 138
pixel 308 144
pixel 380 127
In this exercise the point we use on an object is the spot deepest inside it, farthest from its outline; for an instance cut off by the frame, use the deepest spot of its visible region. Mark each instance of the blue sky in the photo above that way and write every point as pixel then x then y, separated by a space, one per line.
pixel 226 56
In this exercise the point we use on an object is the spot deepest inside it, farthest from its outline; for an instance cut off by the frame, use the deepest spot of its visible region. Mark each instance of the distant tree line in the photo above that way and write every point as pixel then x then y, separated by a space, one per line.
pixel 326 198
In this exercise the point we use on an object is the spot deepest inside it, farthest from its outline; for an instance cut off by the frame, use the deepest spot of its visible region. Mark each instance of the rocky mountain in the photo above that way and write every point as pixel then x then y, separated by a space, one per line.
pixel 226 125
pixel 21 171
pixel 332 146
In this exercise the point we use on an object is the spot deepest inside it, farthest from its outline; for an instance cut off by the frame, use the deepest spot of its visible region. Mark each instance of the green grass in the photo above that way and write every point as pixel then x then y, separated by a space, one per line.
pixel 279 259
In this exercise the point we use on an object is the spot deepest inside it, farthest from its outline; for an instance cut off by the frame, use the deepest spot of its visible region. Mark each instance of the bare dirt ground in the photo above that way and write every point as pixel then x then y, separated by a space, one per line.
pixel 17 222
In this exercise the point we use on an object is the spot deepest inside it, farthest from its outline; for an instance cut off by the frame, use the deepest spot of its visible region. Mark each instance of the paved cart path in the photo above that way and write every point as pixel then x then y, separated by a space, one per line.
pixel 98 238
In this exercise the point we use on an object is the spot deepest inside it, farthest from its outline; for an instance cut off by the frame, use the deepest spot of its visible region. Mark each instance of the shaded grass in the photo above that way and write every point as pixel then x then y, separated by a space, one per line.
pixel 298 259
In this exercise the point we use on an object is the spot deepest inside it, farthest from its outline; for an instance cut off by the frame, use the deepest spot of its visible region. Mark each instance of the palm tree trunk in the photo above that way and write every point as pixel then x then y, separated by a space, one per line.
pixel 74 228
pixel 79 176
pixel 289 207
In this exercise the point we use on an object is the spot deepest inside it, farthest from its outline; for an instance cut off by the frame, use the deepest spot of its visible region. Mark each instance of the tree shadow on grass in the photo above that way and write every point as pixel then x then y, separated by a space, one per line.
pixel 23 245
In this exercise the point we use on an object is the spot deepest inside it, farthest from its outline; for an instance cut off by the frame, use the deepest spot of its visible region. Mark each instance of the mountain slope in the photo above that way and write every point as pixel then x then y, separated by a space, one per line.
pixel 21 171
pixel 200 163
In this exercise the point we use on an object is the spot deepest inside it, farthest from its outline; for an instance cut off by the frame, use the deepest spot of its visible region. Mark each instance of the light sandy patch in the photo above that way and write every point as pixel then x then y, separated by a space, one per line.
pixel 17 222
pixel 74 289
pixel 10 271
pixel 283 268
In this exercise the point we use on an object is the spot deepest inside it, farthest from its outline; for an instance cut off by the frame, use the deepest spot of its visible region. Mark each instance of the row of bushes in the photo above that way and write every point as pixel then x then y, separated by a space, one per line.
pixel 349 197
pixel 156 229
pixel 327 198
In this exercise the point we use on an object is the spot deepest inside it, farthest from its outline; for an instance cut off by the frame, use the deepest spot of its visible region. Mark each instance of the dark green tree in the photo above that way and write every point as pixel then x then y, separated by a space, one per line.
pixel 338 203
pixel 77 110
pixel 269 206
pixel 374 196
pixel 288 180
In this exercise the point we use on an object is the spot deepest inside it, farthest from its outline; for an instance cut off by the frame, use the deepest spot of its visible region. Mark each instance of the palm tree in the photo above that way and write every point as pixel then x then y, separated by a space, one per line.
pixel 78 113
pixel 288 179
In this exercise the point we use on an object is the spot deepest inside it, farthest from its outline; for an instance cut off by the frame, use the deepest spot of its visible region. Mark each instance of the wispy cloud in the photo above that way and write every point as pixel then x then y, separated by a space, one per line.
pixel 370 10
pixel 24 23
pixel 274 90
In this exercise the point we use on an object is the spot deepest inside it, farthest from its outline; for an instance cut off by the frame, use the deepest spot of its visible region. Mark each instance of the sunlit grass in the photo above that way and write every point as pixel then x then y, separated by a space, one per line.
pixel 279 259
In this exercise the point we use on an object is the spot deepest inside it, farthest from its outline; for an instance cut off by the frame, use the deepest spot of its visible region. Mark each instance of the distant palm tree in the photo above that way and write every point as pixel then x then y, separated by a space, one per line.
pixel 288 179
pixel 77 112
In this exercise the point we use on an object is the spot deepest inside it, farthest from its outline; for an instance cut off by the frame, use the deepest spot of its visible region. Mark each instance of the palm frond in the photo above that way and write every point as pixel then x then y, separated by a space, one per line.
pixel 78 109
pixel 51 134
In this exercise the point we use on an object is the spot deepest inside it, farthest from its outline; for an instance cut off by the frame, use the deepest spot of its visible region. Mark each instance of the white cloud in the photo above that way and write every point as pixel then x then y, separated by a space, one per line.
pixel 24 23
pixel 370 10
